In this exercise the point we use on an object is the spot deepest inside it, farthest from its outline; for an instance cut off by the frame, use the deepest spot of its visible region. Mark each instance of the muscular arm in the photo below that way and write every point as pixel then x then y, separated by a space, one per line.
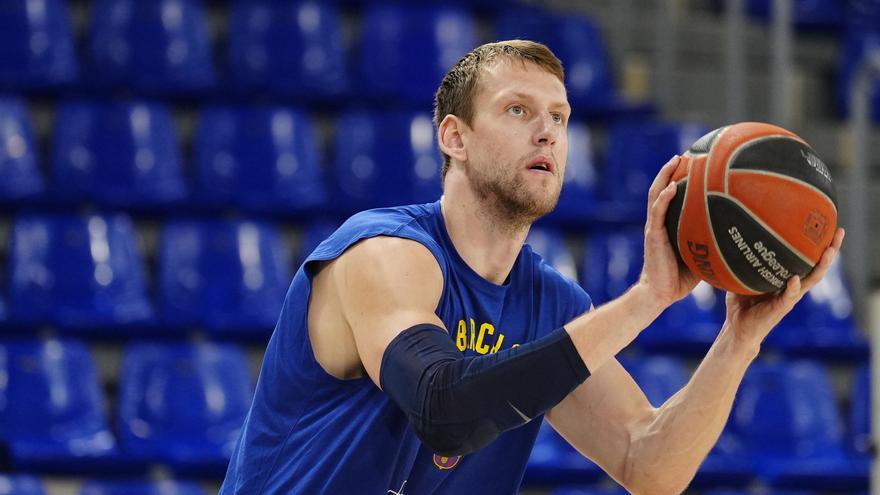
pixel 658 450
pixel 456 404
pixel 386 285
pixel 647 449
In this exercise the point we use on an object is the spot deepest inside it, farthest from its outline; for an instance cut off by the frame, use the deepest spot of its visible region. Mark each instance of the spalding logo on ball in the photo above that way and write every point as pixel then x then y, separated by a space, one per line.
pixel 754 206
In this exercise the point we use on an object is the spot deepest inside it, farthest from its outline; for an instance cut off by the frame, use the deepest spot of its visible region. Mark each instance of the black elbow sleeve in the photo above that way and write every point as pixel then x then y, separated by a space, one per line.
pixel 459 404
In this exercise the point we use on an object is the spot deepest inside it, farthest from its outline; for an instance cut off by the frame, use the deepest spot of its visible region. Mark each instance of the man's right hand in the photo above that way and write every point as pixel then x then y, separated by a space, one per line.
pixel 751 318
pixel 666 279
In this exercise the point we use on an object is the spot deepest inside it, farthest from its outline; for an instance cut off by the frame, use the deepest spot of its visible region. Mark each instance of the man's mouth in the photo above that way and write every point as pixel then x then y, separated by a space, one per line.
pixel 542 164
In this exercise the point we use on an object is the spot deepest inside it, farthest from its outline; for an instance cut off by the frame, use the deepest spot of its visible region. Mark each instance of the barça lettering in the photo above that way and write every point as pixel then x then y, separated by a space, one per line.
pixel 485 338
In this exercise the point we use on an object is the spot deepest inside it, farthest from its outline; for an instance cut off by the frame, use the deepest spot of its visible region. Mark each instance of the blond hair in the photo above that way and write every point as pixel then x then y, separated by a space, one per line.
pixel 459 87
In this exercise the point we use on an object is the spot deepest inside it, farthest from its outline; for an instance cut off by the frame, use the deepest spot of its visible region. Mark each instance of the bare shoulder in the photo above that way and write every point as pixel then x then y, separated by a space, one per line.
pixel 385 262
pixel 362 299
pixel 380 287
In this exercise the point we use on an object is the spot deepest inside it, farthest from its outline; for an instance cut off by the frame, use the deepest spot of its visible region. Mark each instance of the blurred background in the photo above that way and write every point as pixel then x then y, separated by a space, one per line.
pixel 165 165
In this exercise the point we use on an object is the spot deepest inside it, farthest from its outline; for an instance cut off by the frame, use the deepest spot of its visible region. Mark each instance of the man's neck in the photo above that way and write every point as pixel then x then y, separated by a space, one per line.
pixel 486 243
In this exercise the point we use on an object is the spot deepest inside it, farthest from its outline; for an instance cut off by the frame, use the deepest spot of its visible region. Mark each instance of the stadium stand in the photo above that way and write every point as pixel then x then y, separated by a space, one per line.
pixel 20 176
pixel 160 47
pixel 163 162
pixel 259 159
pixel 182 404
pixel 37 49
pixel 288 49
pixel 52 409
pixel 134 487
pixel 122 155
pixel 227 277
pixel 20 485
pixel 77 272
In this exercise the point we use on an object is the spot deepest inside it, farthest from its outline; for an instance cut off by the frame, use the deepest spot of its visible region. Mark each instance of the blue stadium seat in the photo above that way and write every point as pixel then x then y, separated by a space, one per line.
pixel 4 310
pixel 577 201
pixel 20 177
pixel 857 46
pixel 183 404
pixel 636 151
pixel 860 412
pixel 550 244
pixel 20 484
pixel 405 49
pixel 229 277
pixel 659 377
pixel 578 43
pixel 286 48
pixel 36 45
pixel 159 46
pixel 728 464
pixel 688 326
pixel 822 324
pixel 137 487
pixel 820 14
pixel 385 159
pixel 261 159
pixel 612 262
pixel 116 154
pixel 862 14
pixel 51 406
pixel 554 462
pixel 78 272
pixel 788 418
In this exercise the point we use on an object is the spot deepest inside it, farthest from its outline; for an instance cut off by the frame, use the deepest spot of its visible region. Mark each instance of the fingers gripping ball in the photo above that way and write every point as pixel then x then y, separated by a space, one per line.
pixel 754 206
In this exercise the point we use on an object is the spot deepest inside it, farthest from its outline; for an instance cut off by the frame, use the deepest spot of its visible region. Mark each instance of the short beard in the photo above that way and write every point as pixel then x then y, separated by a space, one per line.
pixel 506 201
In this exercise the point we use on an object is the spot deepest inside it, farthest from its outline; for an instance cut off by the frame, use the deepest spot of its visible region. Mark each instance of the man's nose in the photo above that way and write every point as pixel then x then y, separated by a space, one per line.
pixel 547 130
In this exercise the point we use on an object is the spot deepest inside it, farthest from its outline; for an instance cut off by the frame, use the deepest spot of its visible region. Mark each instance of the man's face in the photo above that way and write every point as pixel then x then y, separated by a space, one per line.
pixel 518 144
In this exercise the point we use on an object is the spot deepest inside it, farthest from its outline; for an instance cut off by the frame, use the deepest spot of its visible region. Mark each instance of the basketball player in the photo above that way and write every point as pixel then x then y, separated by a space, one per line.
pixel 420 347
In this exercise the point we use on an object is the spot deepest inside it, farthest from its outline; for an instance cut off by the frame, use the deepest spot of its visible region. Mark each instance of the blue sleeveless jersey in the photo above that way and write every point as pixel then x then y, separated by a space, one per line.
pixel 310 433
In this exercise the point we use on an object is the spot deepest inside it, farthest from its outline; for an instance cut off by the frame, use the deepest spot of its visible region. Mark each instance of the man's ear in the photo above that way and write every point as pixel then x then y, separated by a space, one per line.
pixel 449 137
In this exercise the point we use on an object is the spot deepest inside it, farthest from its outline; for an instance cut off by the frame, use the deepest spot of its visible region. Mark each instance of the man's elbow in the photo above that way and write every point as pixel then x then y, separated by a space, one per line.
pixel 653 476
pixel 451 439
pixel 655 479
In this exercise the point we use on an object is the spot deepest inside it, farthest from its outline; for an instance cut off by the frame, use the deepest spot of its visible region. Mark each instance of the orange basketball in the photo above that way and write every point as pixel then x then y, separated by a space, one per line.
pixel 754 206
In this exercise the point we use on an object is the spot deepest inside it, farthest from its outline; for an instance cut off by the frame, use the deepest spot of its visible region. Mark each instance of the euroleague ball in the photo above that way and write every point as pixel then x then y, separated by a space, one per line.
pixel 754 206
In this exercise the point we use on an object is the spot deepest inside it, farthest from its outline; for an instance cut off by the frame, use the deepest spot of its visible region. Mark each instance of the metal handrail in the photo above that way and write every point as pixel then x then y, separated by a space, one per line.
pixel 860 95
pixel 780 73
pixel 734 61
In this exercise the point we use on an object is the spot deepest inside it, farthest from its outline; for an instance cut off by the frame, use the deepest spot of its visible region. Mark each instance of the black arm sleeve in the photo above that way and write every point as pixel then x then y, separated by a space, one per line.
pixel 459 404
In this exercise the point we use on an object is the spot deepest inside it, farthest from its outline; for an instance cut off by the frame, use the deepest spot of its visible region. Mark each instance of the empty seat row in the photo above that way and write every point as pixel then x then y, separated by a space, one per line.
pixel 859 51
pixel 32 485
pixel 820 14
pixel 179 404
pixel 21 484
pixel 86 273
pixel 269 159
pixel 300 49
pixel 785 430
pixel 182 404
pixel 821 324
pixel 828 15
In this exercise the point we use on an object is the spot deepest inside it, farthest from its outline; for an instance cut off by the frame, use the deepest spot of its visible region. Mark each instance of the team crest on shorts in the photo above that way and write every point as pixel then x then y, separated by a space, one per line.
pixel 445 462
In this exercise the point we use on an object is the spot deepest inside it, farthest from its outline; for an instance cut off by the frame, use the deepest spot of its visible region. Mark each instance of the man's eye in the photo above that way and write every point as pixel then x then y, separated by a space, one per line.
pixel 557 117
pixel 516 110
